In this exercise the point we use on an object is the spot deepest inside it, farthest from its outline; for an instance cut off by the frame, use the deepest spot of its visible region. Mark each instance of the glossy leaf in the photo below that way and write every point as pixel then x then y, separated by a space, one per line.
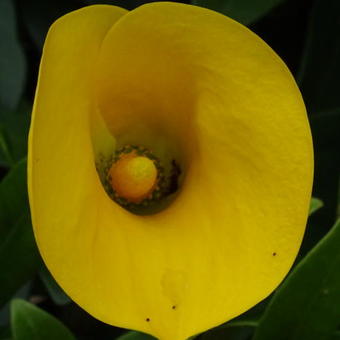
pixel 13 198
pixel 14 126
pixel 23 293
pixel 32 323
pixel 244 11
pixel 58 296
pixel 19 257
pixel 12 58
pixel 315 204
pixel 5 148
pixel 306 306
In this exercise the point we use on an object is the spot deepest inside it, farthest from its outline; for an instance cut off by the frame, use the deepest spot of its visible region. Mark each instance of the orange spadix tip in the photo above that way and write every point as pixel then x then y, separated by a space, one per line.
pixel 133 177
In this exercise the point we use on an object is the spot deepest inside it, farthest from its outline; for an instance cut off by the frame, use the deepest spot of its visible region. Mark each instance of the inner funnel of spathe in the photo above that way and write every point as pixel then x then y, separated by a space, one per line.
pixel 146 96
pixel 145 153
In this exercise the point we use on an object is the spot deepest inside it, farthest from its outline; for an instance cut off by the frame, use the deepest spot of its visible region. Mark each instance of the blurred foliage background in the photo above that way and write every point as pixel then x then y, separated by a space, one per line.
pixel 305 33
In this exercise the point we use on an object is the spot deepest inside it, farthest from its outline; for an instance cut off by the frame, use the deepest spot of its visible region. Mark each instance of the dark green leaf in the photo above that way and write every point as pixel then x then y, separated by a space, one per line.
pixel 12 59
pixel 14 126
pixel 135 336
pixel 22 293
pixel 320 72
pixel 32 323
pixel 13 198
pixel 230 333
pixel 315 204
pixel 57 294
pixel 306 305
pixel 19 257
pixel 244 11
pixel 5 147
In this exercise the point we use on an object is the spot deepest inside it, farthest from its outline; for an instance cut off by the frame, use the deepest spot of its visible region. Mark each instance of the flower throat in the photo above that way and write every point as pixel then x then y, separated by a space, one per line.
pixel 135 178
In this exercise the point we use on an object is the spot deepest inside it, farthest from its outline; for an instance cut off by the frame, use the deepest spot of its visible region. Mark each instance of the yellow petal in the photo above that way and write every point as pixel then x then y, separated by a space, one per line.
pixel 208 91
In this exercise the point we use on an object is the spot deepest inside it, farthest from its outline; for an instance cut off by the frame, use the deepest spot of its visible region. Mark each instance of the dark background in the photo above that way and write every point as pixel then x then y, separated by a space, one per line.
pixel 305 33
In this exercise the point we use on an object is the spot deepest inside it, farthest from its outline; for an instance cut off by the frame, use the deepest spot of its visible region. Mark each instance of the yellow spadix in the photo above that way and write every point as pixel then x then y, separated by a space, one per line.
pixel 133 177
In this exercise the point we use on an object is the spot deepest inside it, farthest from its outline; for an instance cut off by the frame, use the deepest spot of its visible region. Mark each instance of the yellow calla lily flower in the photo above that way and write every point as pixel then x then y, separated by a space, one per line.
pixel 170 166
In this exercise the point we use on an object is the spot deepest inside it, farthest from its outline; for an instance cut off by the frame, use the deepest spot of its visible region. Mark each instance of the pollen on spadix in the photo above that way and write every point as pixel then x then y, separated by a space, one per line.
pixel 133 177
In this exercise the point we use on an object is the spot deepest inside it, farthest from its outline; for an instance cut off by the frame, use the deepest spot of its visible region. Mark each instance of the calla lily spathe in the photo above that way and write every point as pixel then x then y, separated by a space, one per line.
pixel 194 84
